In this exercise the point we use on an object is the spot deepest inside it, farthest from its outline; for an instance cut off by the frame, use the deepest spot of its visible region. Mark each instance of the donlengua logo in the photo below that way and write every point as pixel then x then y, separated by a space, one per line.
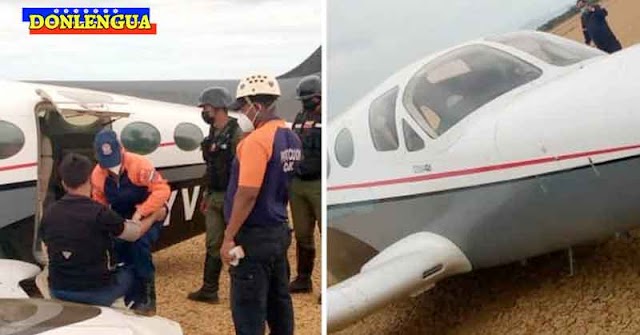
pixel 76 20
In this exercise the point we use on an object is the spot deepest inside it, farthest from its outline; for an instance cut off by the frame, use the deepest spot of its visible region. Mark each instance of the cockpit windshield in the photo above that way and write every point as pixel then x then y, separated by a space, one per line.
pixel 555 51
pixel 449 88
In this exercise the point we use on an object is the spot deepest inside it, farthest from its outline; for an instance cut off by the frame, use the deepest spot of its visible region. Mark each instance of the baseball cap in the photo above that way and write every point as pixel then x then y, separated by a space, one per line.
pixel 108 150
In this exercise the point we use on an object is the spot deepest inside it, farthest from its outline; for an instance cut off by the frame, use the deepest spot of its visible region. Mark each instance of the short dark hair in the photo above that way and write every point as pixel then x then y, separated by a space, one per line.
pixel 264 99
pixel 75 170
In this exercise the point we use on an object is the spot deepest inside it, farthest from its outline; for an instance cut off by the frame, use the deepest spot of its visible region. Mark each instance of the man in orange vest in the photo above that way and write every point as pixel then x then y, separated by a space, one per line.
pixel 132 187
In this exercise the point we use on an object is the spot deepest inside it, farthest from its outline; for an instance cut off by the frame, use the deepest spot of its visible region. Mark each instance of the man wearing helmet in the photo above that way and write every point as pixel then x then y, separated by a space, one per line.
pixel 256 213
pixel 218 151
pixel 306 186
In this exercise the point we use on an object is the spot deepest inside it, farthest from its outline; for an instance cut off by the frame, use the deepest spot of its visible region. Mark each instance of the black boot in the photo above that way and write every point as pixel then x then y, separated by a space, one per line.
pixel 209 291
pixel 148 306
pixel 302 283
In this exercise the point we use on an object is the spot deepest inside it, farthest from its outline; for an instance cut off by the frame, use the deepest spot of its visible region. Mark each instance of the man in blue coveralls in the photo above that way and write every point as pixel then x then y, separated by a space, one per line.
pixel 131 186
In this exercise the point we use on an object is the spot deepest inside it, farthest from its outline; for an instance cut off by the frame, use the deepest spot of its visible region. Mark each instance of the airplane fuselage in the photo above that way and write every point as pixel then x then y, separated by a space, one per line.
pixel 550 164
pixel 168 134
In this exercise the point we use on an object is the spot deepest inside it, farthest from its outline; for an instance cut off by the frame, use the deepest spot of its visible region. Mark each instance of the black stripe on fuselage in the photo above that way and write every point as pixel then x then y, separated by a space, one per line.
pixel 22 184
pixel 183 173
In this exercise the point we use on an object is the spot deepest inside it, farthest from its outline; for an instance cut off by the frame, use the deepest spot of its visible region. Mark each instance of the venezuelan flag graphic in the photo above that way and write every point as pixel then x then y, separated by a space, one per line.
pixel 89 20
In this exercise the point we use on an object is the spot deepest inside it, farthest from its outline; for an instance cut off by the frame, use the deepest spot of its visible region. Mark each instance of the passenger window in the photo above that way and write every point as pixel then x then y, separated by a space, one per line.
pixel 140 137
pixel 412 140
pixel 344 148
pixel 188 136
pixel 11 139
pixel 451 87
pixel 382 121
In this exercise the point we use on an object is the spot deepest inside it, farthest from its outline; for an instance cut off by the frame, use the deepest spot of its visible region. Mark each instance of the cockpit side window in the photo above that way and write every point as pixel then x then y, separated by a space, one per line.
pixel 412 140
pixel 446 90
pixel 382 121
pixel 550 50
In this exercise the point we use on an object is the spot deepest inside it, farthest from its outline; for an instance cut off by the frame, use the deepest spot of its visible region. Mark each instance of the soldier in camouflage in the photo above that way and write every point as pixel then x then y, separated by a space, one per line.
pixel 218 151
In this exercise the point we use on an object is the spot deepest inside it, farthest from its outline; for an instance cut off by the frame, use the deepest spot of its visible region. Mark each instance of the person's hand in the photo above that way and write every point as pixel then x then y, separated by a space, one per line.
pixel 204 206
pixel 137 216
pixel 227 245
pixel 163 213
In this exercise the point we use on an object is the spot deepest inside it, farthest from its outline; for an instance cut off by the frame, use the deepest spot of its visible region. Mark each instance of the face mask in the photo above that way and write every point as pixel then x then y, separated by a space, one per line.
pixel 245 124
pixel 115 169
pixel 255 117
pixel 309 104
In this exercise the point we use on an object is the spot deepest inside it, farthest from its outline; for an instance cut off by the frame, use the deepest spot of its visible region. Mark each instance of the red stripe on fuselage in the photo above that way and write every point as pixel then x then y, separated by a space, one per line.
pixel 456 173
pixel 18 166
pixel 28 165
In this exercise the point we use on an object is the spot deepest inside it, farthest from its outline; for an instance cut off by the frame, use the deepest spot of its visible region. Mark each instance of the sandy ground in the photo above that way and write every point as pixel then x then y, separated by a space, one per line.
pixel 624 20
pixel 603 296
pixel 179 271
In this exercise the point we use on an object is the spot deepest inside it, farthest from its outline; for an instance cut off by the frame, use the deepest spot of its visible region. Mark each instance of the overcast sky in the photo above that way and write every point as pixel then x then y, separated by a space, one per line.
pixel 197 39
pixel 370 40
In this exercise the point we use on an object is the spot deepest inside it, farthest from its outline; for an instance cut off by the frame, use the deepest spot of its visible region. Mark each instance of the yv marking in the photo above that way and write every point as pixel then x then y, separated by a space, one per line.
pixel 189 203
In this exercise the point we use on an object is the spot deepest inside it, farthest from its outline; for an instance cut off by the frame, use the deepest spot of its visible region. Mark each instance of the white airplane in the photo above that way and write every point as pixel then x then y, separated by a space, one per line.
pixel 40 123
pixel 489 152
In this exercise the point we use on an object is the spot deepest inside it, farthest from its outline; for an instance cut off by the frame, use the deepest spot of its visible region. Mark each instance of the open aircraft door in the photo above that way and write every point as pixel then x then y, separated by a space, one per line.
pixel 68 120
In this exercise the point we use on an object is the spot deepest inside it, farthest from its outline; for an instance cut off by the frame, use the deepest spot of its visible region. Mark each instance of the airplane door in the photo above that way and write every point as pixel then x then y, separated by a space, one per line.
pixel 80 104
pixel 67 122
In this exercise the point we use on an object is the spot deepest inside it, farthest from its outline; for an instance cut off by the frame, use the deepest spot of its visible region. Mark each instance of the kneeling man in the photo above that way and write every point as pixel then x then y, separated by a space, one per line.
pixel 78 234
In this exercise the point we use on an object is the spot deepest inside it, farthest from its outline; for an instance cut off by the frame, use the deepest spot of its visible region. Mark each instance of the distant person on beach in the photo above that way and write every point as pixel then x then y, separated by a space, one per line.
pixel 595 27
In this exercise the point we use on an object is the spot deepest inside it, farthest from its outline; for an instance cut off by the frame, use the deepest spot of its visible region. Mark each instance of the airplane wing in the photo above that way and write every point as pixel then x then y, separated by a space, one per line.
pixel 186 92
pixel 12 272
pixel 20 314
pixel 407 267
pixel 53 317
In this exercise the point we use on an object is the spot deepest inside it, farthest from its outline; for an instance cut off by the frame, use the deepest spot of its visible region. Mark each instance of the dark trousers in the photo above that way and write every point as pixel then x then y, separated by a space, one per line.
pixel 138 255
pixel 260 283
pixel 123 279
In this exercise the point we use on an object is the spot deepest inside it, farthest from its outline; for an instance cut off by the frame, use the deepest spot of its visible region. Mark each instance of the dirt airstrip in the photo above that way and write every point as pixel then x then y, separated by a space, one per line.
pixel 179 271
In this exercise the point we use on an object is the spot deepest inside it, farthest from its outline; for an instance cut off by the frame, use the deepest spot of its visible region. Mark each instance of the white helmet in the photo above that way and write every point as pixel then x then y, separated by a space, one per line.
pixel 258 84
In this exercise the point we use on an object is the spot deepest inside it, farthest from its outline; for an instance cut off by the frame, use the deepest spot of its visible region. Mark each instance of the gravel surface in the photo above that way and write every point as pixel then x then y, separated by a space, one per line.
pixel 179 271
pixel 603 296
